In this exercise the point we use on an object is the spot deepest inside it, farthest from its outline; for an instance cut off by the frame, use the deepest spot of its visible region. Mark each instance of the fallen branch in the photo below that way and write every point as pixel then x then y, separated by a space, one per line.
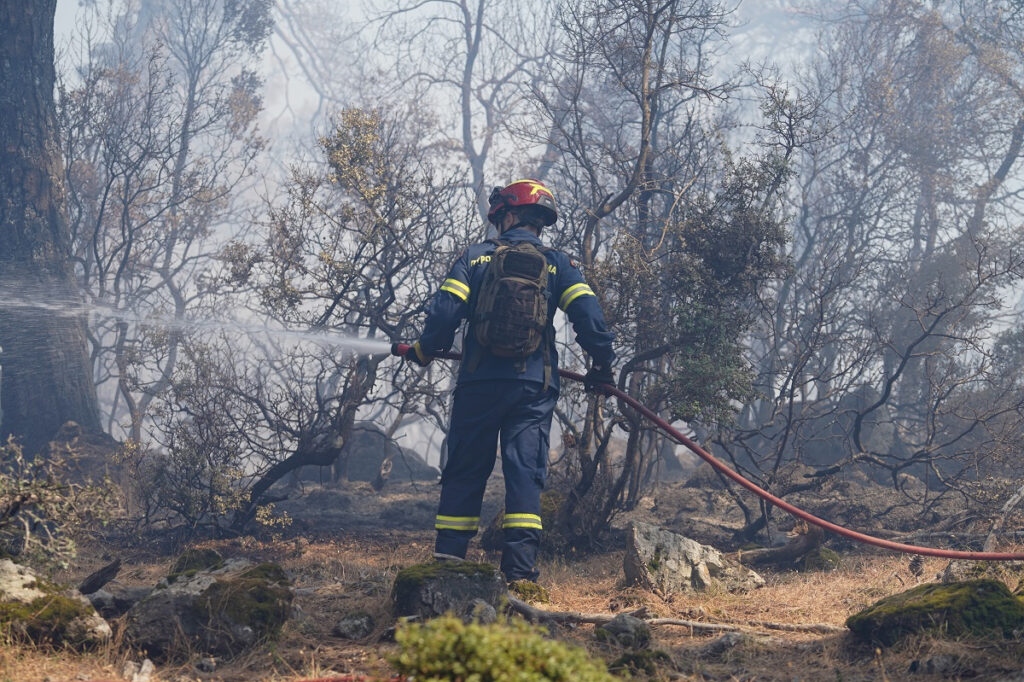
pixel 100 578
pixel 536 615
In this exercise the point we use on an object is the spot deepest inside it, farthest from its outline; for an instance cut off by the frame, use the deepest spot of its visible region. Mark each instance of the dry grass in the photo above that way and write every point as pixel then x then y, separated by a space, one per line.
pixel 339 572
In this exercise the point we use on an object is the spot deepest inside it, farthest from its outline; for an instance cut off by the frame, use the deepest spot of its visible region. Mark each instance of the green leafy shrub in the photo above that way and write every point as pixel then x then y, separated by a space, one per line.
pixel 448 649
pixel 41 510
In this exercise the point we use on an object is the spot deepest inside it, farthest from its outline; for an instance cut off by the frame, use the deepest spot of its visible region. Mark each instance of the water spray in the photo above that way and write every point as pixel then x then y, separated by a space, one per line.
pixel 72 308
pixel 401 349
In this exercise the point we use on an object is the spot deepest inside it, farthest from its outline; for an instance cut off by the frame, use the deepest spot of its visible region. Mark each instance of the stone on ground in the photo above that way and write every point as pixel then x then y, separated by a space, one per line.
pixel 43 612
pixel 211 606
pixel 354 626
pixel 978 608
pixel 114 600
pixel 668 562
pixel 433 589
pixel 625 630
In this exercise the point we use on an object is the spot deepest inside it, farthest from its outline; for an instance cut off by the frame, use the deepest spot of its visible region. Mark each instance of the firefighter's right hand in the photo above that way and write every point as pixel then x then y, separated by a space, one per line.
pixel 416 356
pixel 597 376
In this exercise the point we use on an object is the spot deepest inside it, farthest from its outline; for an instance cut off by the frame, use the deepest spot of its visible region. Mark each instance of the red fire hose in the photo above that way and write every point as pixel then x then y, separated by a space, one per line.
pixel 401 349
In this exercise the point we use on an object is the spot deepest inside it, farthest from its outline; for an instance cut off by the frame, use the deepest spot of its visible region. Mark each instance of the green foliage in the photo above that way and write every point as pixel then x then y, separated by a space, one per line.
pixel 448 649
pixel 527 590
pixel 40 510
pixel 735 241
pixel 980 608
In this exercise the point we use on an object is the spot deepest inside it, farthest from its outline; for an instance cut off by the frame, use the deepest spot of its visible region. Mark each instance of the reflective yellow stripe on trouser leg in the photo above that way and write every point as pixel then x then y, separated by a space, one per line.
pixel 522 521
pixel 468 523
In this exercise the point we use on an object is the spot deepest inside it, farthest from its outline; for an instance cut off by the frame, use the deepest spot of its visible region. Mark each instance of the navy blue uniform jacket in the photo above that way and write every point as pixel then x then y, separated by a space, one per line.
pixel 566 290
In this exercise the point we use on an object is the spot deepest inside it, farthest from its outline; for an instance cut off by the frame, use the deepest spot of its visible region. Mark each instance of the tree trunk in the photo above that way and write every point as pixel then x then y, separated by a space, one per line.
pixel 46 377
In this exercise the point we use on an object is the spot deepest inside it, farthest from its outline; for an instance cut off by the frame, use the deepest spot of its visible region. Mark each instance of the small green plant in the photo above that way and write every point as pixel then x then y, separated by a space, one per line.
pixel 448 649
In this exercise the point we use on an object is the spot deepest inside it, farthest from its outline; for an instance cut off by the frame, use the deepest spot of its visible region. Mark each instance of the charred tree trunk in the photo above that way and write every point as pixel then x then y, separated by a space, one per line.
pixel 46 378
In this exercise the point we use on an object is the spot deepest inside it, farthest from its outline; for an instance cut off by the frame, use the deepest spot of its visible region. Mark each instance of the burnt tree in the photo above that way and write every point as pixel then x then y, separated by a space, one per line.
pixel 46 375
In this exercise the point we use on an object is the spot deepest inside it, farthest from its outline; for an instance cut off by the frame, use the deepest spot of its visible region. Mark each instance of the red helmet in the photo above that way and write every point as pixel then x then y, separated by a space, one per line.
pixel 523 193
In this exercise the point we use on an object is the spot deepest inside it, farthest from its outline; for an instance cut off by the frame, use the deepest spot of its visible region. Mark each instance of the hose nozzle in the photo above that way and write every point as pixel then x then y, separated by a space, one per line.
pixel 400 349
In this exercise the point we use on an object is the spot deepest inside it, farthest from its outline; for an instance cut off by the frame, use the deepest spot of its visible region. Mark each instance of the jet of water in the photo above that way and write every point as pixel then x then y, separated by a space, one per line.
pixel 325 337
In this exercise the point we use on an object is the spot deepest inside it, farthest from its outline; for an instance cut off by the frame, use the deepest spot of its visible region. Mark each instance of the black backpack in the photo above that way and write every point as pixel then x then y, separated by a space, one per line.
pixel 510 315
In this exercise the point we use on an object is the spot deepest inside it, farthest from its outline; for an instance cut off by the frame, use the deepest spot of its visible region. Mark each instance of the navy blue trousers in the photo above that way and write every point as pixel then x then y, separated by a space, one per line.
pixel 520 413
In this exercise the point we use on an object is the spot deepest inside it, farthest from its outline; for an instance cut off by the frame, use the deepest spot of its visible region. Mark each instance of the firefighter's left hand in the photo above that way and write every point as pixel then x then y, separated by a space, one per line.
pixel 416 356
pixel 597 377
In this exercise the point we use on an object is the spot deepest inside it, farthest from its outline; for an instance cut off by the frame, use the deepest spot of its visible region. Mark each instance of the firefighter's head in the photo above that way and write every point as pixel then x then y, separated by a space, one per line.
pixel 528 202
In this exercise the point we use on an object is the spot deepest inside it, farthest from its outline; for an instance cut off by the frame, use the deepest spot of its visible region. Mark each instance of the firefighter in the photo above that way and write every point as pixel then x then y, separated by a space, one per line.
pixel 507 387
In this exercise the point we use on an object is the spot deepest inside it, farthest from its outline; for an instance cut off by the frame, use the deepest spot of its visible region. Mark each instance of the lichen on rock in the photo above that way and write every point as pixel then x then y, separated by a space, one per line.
pixel 979 608
pixel 44 612
pixel 221 609
pixel 432 589
pixel 661 560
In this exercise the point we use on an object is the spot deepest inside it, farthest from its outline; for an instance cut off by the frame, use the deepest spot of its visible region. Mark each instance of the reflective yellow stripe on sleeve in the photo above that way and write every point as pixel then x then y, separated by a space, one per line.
pixel 456 522
pixel 454 286
pixel 574 292
pixel 522 521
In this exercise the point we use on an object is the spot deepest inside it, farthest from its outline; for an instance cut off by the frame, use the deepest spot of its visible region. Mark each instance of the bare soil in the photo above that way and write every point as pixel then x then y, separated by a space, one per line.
pixel 346 544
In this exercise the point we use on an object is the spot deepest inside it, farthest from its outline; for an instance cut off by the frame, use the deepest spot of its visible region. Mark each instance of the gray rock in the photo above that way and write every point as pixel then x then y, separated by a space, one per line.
pixel 430 590
pixel 720 645
pixel 625 630
pixel 482 612
pixel 129 669
pixel 934 665
pixel 75 623
pixel 115 600
pixel 217 611
pixel 206 665
pixel 667 562
pixel 354 626
pixel 18 583
pixel 145 672
pixel 959 570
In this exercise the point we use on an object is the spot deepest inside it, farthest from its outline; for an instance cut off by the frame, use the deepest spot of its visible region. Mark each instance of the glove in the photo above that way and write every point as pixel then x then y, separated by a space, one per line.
pixel 596 376
pixel 416 356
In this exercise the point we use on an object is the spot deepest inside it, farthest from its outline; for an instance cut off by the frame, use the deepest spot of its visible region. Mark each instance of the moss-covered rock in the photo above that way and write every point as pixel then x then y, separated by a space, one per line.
pixel 641 662
pixel 257 599
pixel 624 630
pixel 218 611
pixel 192 561
pixel 529 591
pixel 820 559
pixel 433 589
pixel 980 608
pixel 44 612
pixel 448 649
